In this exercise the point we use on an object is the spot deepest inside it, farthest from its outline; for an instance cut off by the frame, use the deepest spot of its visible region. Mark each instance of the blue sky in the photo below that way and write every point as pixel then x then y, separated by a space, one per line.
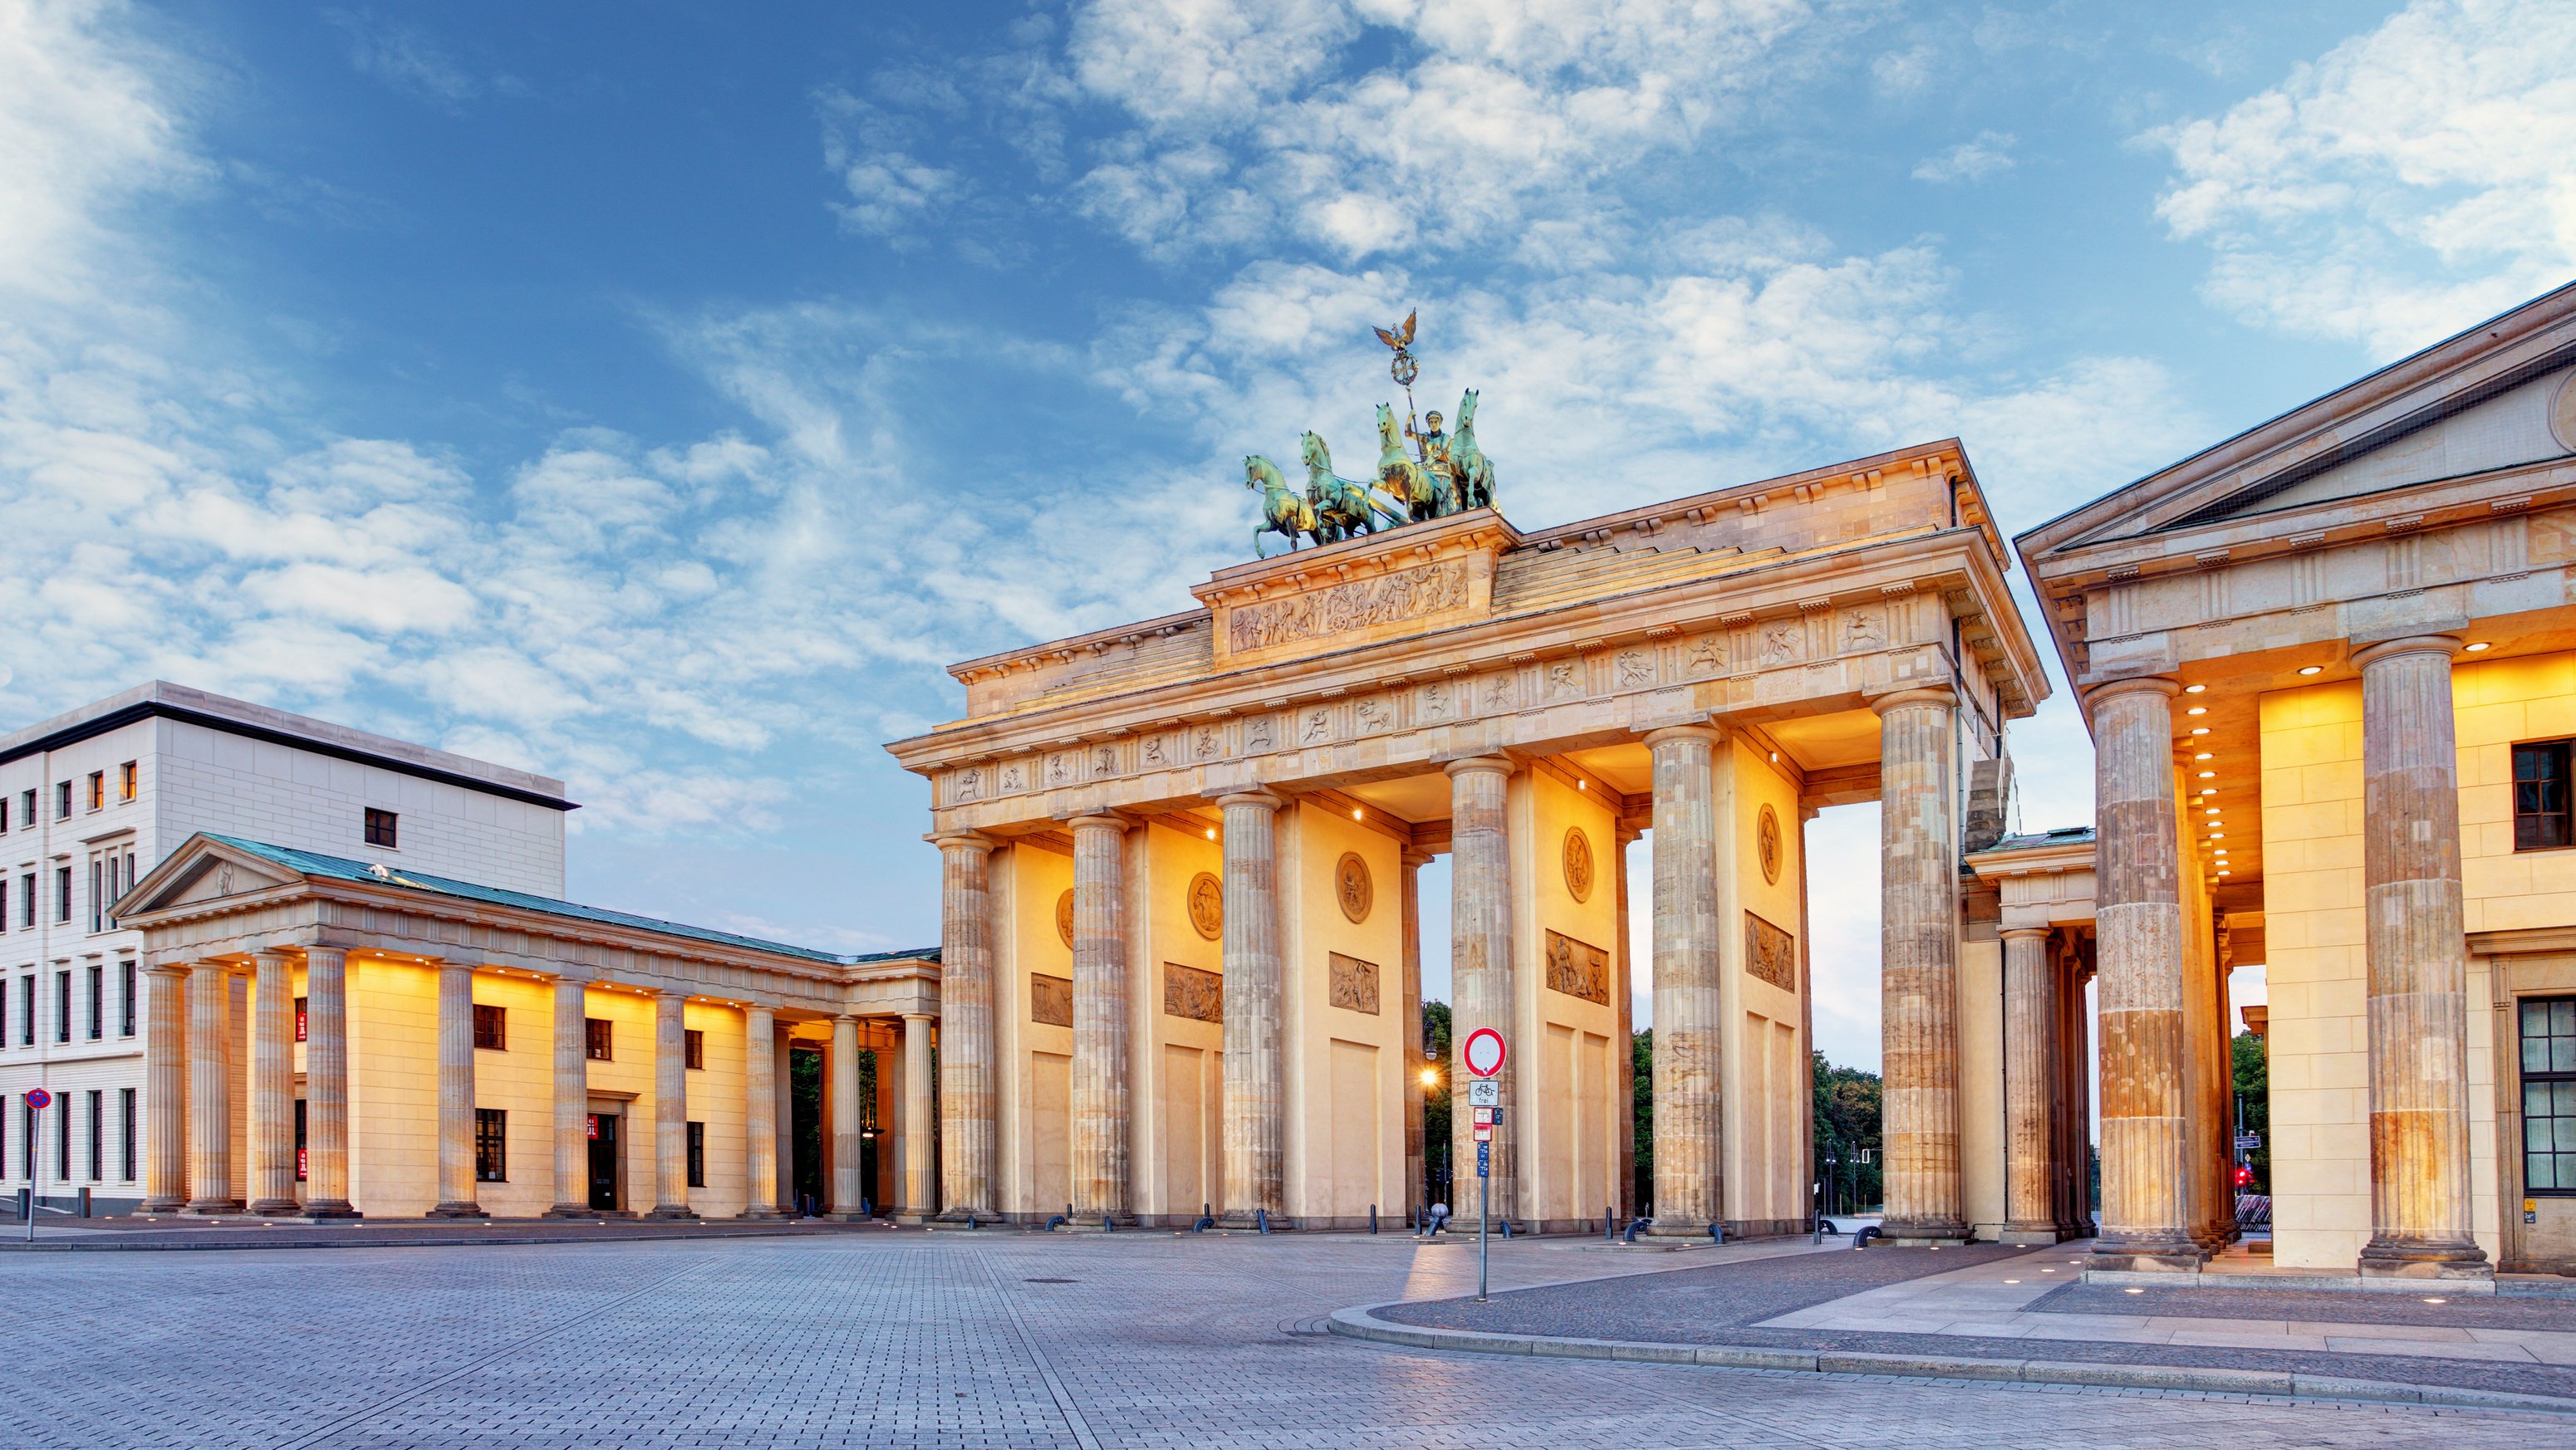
pixel 658 395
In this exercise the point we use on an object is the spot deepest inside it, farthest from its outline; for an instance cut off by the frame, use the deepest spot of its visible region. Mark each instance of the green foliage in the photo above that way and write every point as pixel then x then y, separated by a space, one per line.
pixel 2254 1100
pixel 1435 1103
pixel 1641 1064
pixel 1847 1129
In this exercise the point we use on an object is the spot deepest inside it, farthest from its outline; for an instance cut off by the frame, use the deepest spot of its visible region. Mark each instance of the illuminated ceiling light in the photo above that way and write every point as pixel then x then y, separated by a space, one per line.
pixel 2200 730
pixel 1775 757
pixel 2312 669
pixel 2204 755
pixel 2209 775
pixel 2223 873
pixel 2213 810
pixel 1355 813
pixel 2193 689
pixel 1581 784
pixel 2479 648
pixel 2218 835
pixel 1211 833
pixel 2197 710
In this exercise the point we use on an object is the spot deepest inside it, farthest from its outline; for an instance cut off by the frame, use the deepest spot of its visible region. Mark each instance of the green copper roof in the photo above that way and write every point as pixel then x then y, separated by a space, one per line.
pixel 338 868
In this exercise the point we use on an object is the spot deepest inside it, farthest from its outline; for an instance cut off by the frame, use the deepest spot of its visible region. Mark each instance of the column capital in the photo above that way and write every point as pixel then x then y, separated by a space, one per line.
pixel 2366 655
pixel 1415 856
pixel 176 971
pixel 920 1016
pixel 1479 765
pixel 2092 696
pixel 266 955
pixel 1941 695
pixel 1709 733
pixel 1258 795
pixel 1100 821
pixel 314 949
pixel 961 840
pixel 2022 933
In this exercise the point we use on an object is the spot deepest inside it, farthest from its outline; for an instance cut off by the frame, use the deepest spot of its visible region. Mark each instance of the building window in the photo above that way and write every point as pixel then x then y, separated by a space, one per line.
pixel 97 1003
pixel 125 1135
pixel 380 828
pixel 2540 806
pixel 697 1155
pixel 693 1048
pixel 62 1006
pixel 26 1011
pixel 595 1032
pixel 62 800
pixel 127 776
pixel 27 806
pixel 125 985
pixel 491 1145
pixel 62 893
pixel 98 790
pixel 299 1019
pixel 62 1137
pixel 27 1139
pixel 2549 1095
pixel 4 903
pixel 4 813
pixel 97 1134
pixel 491 1028
pixel 27 899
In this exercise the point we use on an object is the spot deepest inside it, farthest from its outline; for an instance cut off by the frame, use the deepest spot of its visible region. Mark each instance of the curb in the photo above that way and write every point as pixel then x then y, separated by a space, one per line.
pixel 218 1240
pixel 1362 1323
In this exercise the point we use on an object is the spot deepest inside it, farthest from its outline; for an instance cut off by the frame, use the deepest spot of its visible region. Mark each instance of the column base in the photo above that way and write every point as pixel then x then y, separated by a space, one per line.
pixel 2030 1233
pixel 331 1208
pixel 1922 1232
pixel 1662 1228
pixel 845 1215
pixel 912 1219
pixel 276 1208
pixel 467 1209
pixel 161 1205
pixel 763 1213
pixel 968 1217
pixel 570 1210
pixel 2173 1254
pixel 2417 1260
pixel 212 1207
pixel 672 1211
pixel 1245 1222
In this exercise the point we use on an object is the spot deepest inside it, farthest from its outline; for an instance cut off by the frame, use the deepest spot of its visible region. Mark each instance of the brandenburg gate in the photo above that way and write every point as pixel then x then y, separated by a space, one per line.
pixel 1180 945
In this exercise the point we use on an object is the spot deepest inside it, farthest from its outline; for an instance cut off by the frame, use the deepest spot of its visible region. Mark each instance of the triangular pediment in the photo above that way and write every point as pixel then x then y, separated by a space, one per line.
pixel 2499 396
pixel 202 870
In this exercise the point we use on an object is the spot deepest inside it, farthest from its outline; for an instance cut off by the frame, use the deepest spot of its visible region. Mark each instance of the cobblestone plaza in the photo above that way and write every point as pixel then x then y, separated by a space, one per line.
pixel 992 1339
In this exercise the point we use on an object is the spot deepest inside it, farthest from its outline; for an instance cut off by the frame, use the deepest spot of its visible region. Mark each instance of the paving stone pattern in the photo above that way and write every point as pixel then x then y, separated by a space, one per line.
pixel 954 1340
pixel 2457 1311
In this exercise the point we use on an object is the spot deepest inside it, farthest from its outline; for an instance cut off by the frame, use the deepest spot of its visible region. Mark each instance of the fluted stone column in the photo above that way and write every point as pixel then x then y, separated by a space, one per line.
pixel 847 1188
pixel 783 1054
pixel 1255 1086
pixel 210 1090
pixel 272 1085
pixel 1100 1104
pixel 1481 977
pixel 165 1088
pixel 456 1093
pixel 1623 1072
pixel 967 1126
pixel 2147 1208
pixel 671 1107
pixel 920 1148
pixel 1689 1047
pixel 326 1083
pixel 1409 1032
pixel 571 1098
pixel 2030 1089
pixel 759 1111
pixel 1919 965
pixel 2418 962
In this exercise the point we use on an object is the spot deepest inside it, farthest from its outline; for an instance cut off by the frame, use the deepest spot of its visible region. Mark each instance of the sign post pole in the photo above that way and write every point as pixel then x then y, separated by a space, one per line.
pixel 1484 1222
pixel 1483 1054
pixel 37 1101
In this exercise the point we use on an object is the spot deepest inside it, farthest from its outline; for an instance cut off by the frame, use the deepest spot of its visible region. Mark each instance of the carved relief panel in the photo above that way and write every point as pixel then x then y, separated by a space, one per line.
pixel 1770 953
pixel 1354 983
pixel 1051 1000
pixel 1192 993
pixel 1578 969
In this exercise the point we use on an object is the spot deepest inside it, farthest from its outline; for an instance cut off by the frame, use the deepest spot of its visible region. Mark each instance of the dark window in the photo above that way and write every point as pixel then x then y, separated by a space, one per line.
pixel 491 1145
pixel 62 893
pixel 4 900
pixel 2549 1095
pixel 693 1047
pixel 97 1003
pixel 299 1140
pixel 63 1138
pixel 126 776
pixel 125 999
pixel 125 1134
pixel 595 1031
pixel 62 1006
pixel 491 1028
pixel 2540 806
pixel 380 828
pixel 299 1019
pixel 62 800
pixel 697 1155
pixel 4 813
pixel 97 1134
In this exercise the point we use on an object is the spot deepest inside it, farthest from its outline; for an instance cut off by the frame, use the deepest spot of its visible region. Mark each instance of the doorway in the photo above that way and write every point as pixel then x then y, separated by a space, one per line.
pixel 603 1163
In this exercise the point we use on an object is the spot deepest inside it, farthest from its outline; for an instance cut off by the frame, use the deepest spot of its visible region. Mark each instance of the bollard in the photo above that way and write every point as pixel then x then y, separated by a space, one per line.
pixel 1609 1224
pixel 866 1210
pixel 1372 1218
pixel 1634 1229
pixel 1205 1223
pixel 1507 1228
pixel 84 1209
pixel 1054 1221
pixel 1261 1219
pixel 1717 1233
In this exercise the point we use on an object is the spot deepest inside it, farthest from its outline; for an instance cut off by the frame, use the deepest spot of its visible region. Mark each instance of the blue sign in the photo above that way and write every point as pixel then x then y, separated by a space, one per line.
pixel 39 1099
pixel 1484 1160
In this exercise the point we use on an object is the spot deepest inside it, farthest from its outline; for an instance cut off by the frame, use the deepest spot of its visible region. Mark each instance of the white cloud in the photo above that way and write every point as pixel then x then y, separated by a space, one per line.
pixel 1988 155
pixel 403 56
pixel 2408 183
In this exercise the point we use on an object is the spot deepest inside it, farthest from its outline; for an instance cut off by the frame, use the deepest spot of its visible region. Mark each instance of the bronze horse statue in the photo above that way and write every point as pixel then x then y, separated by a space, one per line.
pixel 1345 508
pixel 1425 495
pixel 1282 510
pixel 1469 468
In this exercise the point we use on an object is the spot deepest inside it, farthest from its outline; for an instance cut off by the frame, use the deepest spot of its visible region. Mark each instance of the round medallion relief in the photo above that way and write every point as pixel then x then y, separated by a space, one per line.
pixel 1578 864
pixel 1766 844
pixel 1351 883
pixel 1207 905
pixel 1064 918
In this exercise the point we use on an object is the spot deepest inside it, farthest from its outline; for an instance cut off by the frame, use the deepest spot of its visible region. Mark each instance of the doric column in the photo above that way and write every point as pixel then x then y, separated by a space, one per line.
pixel 2030 1148
pixel 671 1107
pixel 1623 1048
pixel 2147 1209
pixel 210 1090
pixel 165 1088
pixel 847 1188
pixel 2418 962
pixel 1100 1089
pixel 1417 1058
pixel 1255 1090
pixel 783 1055
pixel 967 1157
pixel 920 1147
pixel 272 1085
pixel 456 1093
pixel 759 1111
pixel 1919 964
pixel 572 1098
pixel 1689 1047
pixel 326 1083
pixel 1480 972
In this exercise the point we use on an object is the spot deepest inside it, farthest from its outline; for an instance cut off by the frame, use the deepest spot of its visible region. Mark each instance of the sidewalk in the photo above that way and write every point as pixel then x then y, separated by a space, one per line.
pixel 73 1235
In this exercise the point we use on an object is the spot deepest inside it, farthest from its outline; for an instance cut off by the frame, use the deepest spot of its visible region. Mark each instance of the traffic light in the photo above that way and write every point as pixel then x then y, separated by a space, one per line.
pixel 2244 1176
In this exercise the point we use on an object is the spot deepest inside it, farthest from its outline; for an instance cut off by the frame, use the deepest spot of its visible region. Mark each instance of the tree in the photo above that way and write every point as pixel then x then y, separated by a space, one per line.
pixel 1847 1129
pixel 2254 1101
pixel 1435 1103
pixel 1641 1065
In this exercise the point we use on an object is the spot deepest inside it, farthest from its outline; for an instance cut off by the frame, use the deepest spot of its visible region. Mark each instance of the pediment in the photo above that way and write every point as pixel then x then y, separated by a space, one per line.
pixel 202 871
pixel 2501 395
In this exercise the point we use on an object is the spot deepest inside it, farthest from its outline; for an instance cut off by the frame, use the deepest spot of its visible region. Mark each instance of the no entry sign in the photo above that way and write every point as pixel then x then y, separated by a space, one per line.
pixel 1483 1052
pixel 39 1099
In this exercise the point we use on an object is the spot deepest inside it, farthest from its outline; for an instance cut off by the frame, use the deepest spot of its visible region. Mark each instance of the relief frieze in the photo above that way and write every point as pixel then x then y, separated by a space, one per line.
pixel 1770 953
pixel 1051 1000
pixel 1405 594
pixel 1578 969
pixel 1354 983
pixel 1192 993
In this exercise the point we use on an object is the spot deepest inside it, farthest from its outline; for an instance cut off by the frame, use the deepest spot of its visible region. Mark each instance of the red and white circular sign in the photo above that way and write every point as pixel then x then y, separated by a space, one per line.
pixel 1483 1052
pixel 39 1099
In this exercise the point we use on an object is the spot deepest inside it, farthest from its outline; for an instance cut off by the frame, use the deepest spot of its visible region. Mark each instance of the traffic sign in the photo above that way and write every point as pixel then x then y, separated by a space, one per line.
pixel 1484 1092
pixel 1484 1117
pixel 1484 1160
pixel 2249 1141
pixel 1483 1052
pixel 39 1099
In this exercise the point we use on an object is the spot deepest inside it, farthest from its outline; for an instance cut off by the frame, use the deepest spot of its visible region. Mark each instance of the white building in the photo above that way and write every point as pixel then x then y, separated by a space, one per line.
pixel 92 800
